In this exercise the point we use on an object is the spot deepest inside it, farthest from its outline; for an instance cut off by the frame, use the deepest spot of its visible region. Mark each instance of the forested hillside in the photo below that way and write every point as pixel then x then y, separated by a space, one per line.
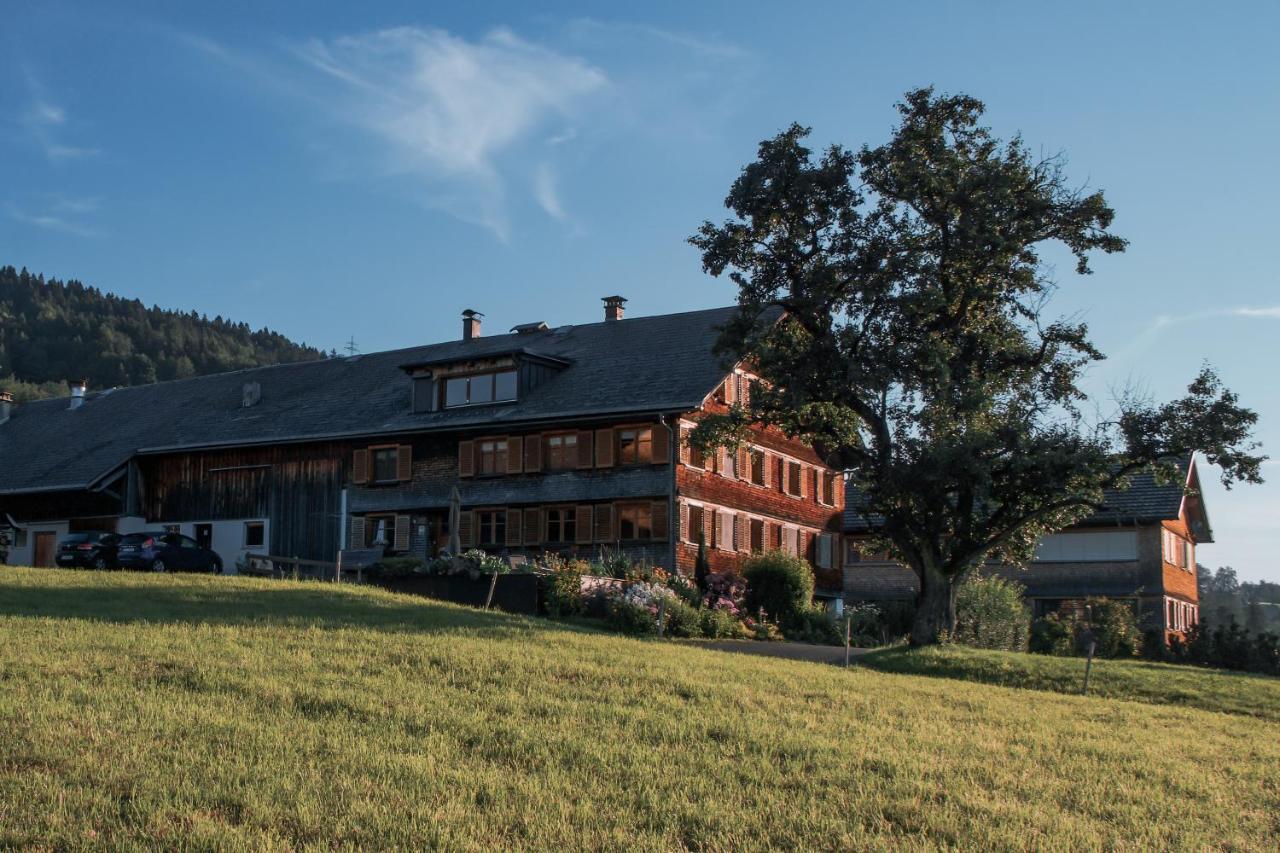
pixel 53 331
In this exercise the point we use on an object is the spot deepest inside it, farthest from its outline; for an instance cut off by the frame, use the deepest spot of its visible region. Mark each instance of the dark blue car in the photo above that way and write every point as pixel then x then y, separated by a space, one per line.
pixel 166 552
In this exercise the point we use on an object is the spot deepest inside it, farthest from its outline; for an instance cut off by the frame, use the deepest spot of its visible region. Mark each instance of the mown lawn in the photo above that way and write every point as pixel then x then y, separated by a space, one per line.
pixel 140 710
pixel 1141 681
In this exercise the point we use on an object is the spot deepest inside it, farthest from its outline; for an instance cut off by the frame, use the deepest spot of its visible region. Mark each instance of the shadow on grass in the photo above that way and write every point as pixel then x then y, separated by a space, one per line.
pixel 282 603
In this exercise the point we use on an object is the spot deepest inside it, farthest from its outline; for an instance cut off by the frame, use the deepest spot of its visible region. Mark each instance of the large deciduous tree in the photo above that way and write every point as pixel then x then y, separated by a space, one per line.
pixel 915 351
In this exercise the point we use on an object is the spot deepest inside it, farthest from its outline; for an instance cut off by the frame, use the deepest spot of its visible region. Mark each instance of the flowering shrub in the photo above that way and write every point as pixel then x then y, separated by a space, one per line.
pixel 634 610
pixel 686 589
pixel 725 591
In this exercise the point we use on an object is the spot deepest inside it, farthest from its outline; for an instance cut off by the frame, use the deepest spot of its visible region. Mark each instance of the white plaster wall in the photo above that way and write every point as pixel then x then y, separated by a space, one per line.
pixel 228 538
pixel 25 555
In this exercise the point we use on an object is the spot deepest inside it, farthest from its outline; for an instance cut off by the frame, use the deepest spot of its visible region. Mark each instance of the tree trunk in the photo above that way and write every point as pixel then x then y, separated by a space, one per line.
pixel 936 608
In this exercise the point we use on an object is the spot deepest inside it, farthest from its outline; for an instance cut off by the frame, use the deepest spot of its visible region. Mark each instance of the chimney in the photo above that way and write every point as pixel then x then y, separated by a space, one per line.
pixel 77 393
pixel 471 324
pixel 6 406
pixel 613 307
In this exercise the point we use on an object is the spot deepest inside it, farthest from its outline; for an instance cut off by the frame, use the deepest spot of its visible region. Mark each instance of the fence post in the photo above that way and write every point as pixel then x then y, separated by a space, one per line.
pixel 662 617
pixel 493 585
pixel 848 636
pixel 1088 665
pixel 337 568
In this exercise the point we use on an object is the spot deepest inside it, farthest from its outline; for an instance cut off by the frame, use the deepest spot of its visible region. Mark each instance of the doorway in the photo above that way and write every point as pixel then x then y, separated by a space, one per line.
pixel 44 545
pixel 204 536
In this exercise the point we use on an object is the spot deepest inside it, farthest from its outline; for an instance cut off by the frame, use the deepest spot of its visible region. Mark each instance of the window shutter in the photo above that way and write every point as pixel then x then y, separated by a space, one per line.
pixel 401 540
pixel 604 447
pixel 708 526
pixel 360 467
pixel 466 529
pixel 356 540
pixel 723 461
pixel 513 526
pixel 533 453
pixel 532 526
pixel 661 445
pixel 515 454
pixel 659 521
pixel 404 463
pixel 744 462
pixel 584 449
pixel 466 458
pixel 582 524
pixel 604 523
pixel 767 464
pixel 804 481
pixel 684 522
pixel 684 445
pixel 744 391
pixel 730 386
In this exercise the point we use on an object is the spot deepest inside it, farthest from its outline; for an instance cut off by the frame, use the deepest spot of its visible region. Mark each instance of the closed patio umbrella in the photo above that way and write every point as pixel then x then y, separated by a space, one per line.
pixel 455 518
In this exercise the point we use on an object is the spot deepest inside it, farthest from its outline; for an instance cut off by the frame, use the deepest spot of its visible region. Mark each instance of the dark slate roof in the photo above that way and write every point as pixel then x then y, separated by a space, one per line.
pixel 1144 501
pixel 640 364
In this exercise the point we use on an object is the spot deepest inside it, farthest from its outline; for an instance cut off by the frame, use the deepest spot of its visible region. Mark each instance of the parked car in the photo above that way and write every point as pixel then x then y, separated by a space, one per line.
pixel 88 550
pixel 166 552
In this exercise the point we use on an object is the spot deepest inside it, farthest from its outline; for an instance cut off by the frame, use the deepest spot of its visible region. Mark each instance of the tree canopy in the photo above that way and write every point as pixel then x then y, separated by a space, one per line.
pixel 52 332
pixel 917 353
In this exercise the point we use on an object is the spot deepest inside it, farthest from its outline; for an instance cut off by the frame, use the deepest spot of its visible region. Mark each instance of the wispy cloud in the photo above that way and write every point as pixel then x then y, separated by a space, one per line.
pixel 544 190
pixel 447 111
pixel 57 213
pixel 46 124
pixel 1165 322
pixel 1272 313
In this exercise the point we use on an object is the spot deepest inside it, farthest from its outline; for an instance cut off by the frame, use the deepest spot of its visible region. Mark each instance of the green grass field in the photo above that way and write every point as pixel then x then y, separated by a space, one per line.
pixel 140 710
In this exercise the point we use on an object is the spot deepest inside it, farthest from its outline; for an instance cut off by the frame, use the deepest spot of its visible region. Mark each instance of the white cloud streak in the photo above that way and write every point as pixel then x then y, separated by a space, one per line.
pixel 45 123
pixel 448 111
pixel 59 214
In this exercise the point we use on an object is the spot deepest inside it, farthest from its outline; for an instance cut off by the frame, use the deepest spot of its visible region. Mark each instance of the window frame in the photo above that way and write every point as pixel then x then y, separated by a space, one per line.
pixel 699 528
pixel 469 378
pixel 566 525
pixel 374 451
pixel 623 510
pixel 499 468
pixel 643 440
pixel 371 526
pixel 567 449
pixel 262 534
pixel 496 521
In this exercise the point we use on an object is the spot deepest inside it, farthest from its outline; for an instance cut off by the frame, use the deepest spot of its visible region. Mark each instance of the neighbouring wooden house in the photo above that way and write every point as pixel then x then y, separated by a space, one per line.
pixel 1139 548
pixel 568 439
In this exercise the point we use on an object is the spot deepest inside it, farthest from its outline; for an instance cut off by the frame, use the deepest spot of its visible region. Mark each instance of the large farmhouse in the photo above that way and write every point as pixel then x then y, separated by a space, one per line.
pixel 567 438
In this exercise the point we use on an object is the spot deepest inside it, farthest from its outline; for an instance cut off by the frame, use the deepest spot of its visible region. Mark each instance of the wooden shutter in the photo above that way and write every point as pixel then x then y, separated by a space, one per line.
pixel 513 526
pixel 584 449
pixel 744 534
pixel 744 391
pixel 659 521
pixel 360 467
pixel 533 453
pixel 804 481
pixel 766 462
pixel 515 454
pixel 604 523
pixel 684 446
pixel 467 529
pixel 356 539
pixel 466 458
pixel 684 523
pixel 730 389
pixel 744 462
pixel 404 463
pixel 661 445
pixel 582 524
pixel 532 526
pixel 604 447
pixel 401 540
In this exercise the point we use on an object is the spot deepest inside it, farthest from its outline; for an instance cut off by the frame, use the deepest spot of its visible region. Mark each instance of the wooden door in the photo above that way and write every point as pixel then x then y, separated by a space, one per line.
pixel 45 544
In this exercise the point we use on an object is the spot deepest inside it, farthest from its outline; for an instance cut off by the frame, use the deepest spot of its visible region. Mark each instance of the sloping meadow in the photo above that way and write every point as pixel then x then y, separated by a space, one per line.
pixel 209 711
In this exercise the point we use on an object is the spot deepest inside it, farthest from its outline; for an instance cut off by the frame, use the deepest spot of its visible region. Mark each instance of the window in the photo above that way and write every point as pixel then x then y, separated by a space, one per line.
pixel 696 531
pixel 635 446
pixel 1188 556
pixel 492 525
pixel 1097 547
pixel 493 456
pixel 757 467
pixel 562 452
pixel 385 460
pixel 20 537
pixel 757 534
pixel 793 478
pixel 561 524
pixel 825 548
pixel 497 387
pixel 697 459
pixel 635 521
pixel 378 530
pixel 828 488
pixel 254 534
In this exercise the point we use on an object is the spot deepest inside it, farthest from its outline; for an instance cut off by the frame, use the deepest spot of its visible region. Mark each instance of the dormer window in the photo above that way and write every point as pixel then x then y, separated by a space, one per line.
pixel 498 387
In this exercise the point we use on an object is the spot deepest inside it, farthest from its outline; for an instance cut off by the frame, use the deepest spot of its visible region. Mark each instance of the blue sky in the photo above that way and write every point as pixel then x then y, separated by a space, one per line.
pixel 368 170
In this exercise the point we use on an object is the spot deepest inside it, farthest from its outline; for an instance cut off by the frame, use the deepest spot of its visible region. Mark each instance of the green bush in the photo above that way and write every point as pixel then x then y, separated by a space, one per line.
pixel 683 620
pixel 397 567
pixel 814 626
pixel 562 593
pixel 1054 634
pixel 1114 627
pixel 990 614
pixel 780 583
pixel 716 623
pixel 631 618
